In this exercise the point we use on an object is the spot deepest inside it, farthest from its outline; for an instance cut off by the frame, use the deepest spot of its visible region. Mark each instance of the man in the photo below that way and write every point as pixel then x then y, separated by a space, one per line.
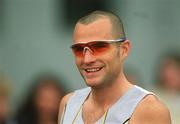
pixel 100 48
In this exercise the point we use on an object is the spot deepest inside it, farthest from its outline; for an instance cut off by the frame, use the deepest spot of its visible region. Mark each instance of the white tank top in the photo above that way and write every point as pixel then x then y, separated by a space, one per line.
pixel 118 113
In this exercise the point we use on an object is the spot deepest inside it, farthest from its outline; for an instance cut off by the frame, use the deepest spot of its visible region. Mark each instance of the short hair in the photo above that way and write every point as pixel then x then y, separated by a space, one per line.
pixel 117 24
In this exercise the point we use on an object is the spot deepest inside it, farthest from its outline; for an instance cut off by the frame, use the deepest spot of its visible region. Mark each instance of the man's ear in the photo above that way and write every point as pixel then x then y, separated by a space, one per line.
pixel 125 48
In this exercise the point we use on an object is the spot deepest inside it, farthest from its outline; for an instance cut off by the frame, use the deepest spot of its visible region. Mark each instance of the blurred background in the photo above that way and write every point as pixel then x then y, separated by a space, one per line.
pixel 35 36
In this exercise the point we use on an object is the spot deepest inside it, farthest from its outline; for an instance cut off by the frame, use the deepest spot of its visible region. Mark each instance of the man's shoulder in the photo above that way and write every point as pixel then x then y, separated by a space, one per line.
pixel 62 105
pixel 79 93
pixel 66 98
pixel 151 110
pixel 83 90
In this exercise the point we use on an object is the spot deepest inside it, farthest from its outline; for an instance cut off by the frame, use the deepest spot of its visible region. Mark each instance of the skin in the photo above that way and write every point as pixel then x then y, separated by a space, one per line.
pixel 109 84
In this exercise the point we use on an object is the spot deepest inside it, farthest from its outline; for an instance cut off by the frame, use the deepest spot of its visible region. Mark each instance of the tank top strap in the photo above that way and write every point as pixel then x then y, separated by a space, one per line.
pixel 123 109
pixel 74 104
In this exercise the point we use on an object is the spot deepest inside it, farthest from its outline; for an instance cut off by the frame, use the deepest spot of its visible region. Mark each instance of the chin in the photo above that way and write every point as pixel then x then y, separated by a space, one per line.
pixel 91 82
pixel 96 84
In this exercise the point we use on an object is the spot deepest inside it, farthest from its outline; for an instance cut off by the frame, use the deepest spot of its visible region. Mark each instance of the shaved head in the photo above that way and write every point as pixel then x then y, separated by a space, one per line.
pixel 117 25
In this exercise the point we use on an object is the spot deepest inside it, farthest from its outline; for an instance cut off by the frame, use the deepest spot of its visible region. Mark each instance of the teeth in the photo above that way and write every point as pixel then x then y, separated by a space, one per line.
pixel 92 69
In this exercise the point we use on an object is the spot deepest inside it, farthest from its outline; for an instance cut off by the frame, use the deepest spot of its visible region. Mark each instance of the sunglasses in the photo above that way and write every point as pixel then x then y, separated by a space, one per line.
pixel 95 47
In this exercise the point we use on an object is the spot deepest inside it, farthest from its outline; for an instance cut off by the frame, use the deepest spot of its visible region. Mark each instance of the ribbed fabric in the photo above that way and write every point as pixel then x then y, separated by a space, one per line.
pixel 117 113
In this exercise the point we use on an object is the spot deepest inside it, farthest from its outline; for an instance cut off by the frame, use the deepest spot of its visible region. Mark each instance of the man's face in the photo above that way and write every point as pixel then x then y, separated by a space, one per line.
pixel 98 70
pixel 170 73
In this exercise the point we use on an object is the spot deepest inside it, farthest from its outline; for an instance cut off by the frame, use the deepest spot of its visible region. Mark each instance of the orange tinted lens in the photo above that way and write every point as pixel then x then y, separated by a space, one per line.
pixel 99 47
pixel 78 49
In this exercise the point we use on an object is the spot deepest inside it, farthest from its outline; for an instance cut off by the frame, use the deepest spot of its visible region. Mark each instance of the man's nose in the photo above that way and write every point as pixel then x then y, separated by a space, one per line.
pixel 88 56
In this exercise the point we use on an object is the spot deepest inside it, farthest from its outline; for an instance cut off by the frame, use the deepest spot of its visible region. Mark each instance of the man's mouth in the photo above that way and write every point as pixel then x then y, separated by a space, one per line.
pixel 91 70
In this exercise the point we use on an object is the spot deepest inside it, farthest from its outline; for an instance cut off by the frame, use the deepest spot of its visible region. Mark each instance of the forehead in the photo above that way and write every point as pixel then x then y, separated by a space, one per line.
pixel 100 29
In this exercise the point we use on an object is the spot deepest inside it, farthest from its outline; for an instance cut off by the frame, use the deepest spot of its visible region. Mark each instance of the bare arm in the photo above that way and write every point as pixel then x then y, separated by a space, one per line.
pixel 151 111
pixel 62 105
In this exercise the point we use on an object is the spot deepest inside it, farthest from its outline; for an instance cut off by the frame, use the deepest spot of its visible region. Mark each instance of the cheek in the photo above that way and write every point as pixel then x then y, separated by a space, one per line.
pixel 115 62
pixel 78 62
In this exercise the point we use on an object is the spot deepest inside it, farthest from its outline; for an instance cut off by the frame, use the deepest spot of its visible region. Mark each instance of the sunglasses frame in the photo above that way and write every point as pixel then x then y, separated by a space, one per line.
pixel 107 41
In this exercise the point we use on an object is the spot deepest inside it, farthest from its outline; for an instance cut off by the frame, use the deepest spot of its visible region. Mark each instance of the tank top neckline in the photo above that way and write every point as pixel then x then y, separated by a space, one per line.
pixel 115 104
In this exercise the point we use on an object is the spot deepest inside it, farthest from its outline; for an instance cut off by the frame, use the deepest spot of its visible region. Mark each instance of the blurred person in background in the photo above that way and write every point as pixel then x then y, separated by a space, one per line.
pixel 169 74
pixel 100 48
pixel 41 106
pixel 168 83
pixel 5 110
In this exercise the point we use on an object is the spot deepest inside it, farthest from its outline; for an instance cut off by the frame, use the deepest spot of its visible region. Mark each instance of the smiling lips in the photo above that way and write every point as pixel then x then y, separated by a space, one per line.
pixel 91 70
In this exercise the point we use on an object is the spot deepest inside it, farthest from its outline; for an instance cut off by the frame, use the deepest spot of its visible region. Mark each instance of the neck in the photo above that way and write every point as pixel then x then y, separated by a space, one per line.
pixel 108 95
